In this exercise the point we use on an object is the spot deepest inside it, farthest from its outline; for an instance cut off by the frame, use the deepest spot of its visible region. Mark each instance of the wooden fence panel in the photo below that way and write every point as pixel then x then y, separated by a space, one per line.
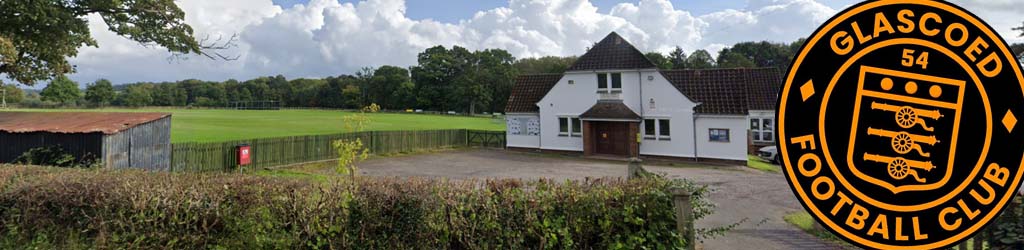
pixel 481 138
pixel 271 152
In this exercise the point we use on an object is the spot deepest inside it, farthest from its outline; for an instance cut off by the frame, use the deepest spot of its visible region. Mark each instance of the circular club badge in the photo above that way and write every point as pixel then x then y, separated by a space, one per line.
pixel 899 125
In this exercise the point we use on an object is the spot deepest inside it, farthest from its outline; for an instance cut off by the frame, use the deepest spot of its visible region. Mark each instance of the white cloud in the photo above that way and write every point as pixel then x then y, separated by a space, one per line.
pixel 122 60
pixel 325 37
pixel 1002 15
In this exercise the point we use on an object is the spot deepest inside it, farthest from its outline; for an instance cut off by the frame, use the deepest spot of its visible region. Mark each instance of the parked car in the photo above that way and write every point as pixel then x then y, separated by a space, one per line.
pixel 769 154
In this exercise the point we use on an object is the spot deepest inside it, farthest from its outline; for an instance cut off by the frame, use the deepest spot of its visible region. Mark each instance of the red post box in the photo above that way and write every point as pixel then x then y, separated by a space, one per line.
pixel 244 155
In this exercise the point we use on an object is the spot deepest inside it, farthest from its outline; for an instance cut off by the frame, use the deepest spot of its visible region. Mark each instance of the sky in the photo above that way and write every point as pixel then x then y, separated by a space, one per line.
pixel 320 38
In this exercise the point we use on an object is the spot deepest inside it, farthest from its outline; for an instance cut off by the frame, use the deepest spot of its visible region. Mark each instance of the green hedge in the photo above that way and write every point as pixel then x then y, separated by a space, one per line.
pixel 75 209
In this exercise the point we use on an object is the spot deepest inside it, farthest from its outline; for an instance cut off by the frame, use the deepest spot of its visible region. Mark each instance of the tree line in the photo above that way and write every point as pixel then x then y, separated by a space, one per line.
pixel 444 79
pixel 741 55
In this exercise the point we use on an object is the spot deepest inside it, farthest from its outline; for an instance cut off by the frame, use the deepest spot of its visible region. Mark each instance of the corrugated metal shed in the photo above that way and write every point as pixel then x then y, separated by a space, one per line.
pixel 119 140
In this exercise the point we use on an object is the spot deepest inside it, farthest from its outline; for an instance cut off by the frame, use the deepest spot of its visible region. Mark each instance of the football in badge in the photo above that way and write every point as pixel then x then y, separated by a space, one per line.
pixel 898 124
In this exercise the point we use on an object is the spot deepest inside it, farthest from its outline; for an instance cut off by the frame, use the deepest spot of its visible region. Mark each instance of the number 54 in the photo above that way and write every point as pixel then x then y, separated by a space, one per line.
pixel 909 60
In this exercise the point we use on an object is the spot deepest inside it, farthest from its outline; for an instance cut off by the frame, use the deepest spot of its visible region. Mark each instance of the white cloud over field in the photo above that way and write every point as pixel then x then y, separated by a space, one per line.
pixel 327 37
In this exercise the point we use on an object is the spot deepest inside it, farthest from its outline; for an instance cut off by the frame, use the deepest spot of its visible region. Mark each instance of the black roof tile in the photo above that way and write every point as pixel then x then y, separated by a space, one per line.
pixel 612 52
pixel 528 90
pixel 728 91
pixel 610 109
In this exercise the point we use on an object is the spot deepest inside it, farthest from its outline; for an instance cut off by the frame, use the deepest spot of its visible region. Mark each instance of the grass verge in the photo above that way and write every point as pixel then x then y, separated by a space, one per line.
pixel 805 222
pixel 756 163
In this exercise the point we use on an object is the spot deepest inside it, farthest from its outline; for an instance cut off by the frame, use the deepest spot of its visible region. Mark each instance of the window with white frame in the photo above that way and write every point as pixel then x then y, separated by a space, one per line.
pixel 609 82
pixel 718 135
pixel 762 129
pixel 657 129
pixel 570 126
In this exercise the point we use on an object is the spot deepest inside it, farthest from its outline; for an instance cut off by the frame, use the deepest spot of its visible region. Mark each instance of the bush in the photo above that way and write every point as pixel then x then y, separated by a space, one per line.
pixel 1008 229
pixel 55 156
pixel 75 208
pixel 37 103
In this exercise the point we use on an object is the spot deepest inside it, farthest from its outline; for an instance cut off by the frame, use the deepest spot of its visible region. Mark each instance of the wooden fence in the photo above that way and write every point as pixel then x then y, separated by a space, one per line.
pixel 270 152
pixel 982 240
pixel 487 139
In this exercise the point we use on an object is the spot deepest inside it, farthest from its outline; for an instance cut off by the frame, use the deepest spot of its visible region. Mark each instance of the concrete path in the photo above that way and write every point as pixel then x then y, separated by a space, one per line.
pixel 762 198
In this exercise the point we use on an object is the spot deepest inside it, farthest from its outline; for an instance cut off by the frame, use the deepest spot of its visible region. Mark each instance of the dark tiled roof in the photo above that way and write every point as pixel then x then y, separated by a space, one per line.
pixel 612 52
pixel 73 122
pixel 528 90
pixel 728 91
pixel 610 109
pixel 763 88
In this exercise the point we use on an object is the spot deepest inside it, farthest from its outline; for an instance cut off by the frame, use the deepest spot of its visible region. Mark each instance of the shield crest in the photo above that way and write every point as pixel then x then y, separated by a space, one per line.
pixel 900 121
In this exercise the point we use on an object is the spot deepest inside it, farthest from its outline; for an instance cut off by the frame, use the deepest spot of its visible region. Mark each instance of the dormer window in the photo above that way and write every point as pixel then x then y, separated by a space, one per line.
pixel 604 80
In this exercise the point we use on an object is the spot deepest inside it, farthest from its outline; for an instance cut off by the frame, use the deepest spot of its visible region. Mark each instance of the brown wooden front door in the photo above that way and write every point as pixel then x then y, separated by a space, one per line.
pixel 611 138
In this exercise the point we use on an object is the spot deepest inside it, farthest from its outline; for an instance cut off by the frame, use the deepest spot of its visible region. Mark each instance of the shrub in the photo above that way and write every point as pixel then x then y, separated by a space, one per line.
pixel 349 152
pixel 55 156
pixel 75 208
pixel 1008 229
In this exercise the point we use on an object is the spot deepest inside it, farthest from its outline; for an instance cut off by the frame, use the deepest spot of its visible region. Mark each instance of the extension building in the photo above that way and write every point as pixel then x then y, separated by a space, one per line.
pixel 614 101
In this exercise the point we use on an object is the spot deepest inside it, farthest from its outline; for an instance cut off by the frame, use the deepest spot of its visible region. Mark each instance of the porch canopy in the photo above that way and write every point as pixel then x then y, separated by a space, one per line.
pixel 611 111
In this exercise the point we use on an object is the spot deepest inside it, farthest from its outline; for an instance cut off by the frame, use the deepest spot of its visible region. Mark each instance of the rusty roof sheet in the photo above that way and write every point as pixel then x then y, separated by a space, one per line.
pixel 73 122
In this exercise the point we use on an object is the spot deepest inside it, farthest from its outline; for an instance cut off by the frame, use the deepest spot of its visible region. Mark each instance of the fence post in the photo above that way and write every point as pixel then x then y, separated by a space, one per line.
pixel 684 216
pixel 635 168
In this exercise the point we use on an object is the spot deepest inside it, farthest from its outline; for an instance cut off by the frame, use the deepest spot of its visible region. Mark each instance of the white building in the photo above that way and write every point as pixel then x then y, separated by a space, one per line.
pixel 614 101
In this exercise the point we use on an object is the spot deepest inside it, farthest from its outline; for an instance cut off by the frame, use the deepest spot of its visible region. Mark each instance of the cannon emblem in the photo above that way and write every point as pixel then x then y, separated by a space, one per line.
pixel 900 121
pixel 899 167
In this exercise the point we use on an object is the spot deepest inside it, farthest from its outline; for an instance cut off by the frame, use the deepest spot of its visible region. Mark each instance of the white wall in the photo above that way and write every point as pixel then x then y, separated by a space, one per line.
pixel 523 139
pixel 566 99
pixel 762 114
pixel 668 103
pixel 571 100
pixel 735 149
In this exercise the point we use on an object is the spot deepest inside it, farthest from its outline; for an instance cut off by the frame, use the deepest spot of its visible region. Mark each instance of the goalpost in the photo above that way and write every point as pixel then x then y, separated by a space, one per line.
pixel 255 105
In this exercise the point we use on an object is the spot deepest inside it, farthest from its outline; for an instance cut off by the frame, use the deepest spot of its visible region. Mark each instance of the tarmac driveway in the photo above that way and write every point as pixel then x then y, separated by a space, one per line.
pixel 740 192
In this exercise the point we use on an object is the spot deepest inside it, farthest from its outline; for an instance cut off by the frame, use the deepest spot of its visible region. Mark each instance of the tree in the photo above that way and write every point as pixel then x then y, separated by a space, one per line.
pixel 437 70
pixel 659 60
pixel 137 95
pixel 700 59
pixel 730 59
pixel 330 94
pixel 37 36
pixel 171 94
pixel 495 73
pixel 544 65
pixel 405 95
pixel 305 92
pixel 244 95
pixel 767 54
pixel 279 89
pixel 12 94
pixel 100 93
pixel 384 82
pixel 1018 50
pixel 351 96
pixel 61 90
pixel 678 58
